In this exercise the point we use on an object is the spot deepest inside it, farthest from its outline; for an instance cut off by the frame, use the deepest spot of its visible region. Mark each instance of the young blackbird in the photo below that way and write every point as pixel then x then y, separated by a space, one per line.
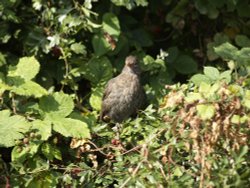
pixel 123 95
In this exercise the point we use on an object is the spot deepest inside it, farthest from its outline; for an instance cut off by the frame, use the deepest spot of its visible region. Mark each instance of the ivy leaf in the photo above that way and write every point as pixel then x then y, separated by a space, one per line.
pixel 111 24
pixel 71 128
pixel 27 68
pixel 11 128
pixel 43 128
pixel 205 111
pixel 56 105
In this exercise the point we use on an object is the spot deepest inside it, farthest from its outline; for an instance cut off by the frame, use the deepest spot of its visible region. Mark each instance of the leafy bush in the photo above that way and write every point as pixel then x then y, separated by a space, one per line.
pixel 57 56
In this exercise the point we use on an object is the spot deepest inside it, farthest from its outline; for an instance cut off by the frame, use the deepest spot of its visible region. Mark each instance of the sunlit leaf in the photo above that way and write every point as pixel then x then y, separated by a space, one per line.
pixel 205 111
pixel 12 128
pixel 71 128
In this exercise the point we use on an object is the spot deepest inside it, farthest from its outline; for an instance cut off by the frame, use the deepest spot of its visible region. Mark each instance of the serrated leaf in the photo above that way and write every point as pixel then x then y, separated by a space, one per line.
pixel 43 128
pixel 95 99
pixel 28 151
pixel 192 97
pixel 11 128
pixel 97 70
pixel 78 48
pixel 56 105
pixel 51 152
pixel 71 128
pixel 205 111
pixel 204 88
pixel 219 39
pixel 111 24
pixel 197 79
pixel 212 73
pixel 27 68
pixel 226 51
pixel 29 88
pixel 226 75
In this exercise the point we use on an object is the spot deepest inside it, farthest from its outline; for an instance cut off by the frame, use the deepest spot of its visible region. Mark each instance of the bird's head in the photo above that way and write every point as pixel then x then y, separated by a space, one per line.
pixel 131 63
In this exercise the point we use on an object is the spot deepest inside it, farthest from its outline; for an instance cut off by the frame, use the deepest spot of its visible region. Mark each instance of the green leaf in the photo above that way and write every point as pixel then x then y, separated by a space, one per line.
pixel 51 152
pixel 242 41
pixel 212 73
pixel 71 128
pixel 12 128
pixel 219 39
pixel 111 24
pixel 192 97
pixel 29 88
pixel 27 68
pixel 43 128
pixel 226 51
pixel 150 64
pixel 100 45
pixel 205 111
pixel 26 152
pixel 184 64
pixel 197 79
pixel 246 99
pixel 95 99
pixel 56 105
pixel 204 88
pixel 235 119
pixel 177 172
pixel 2 60
pixel 226 75
pixel 78 48
pixel 97 70
pixel 244 56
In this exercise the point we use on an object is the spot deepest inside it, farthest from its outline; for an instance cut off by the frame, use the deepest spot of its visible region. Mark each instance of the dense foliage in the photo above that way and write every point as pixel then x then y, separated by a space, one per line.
pixel 57 56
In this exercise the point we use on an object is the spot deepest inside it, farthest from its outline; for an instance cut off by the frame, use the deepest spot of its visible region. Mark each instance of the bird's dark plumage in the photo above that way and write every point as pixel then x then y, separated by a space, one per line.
pixel 123 95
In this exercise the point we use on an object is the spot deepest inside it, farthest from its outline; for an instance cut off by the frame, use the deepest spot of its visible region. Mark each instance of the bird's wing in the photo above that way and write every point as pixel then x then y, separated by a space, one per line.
pixel 108 89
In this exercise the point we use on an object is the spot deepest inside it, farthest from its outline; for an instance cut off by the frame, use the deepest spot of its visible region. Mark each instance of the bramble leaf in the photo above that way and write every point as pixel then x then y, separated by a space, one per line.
pixel 71 128
pixel 27 68
pixel 205 111
pixel 56 105
pixel 12 128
